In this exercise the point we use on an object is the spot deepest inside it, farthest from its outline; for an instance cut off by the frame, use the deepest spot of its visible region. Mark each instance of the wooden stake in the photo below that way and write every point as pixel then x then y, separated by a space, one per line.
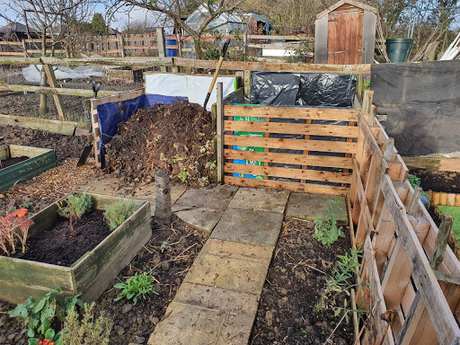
pixel 414 201
pixel 53 84
pixel 440 244
pixel 161 45
pixel 162 197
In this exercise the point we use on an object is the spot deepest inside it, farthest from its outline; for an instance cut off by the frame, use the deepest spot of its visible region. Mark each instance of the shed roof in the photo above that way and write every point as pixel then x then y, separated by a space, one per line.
pixel 349 2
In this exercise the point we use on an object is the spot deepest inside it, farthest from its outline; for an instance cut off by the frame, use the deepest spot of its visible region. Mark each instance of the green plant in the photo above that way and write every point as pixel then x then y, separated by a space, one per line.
pixel 183 175
pixel 86 331
pixel 139 286
pixel 14 226
pixel 341 282
pixel 117 213
pixel 51 338
pixel 326 229
pixel 416 182
pixel 74 206
pixel 366 85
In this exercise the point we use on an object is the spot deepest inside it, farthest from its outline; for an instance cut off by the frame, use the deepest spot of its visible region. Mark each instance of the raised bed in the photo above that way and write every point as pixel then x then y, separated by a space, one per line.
pixel 92 273
pixel 39 161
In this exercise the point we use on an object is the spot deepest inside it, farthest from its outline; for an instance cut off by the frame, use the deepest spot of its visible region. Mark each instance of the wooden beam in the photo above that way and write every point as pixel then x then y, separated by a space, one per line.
pixel 55 91
pixel 57 98
pixel 220 134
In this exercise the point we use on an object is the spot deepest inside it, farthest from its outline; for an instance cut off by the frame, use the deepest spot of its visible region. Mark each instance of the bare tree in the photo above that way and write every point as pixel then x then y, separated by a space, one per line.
pixel 177 10
pixel 52 21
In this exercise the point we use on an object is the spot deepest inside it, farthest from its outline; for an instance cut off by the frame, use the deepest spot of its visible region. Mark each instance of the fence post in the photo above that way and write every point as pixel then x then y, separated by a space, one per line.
pixel 57 97
pixel 161 45
pixel 24 47
pixel 220 133
pixel 122 46
pixel 245 45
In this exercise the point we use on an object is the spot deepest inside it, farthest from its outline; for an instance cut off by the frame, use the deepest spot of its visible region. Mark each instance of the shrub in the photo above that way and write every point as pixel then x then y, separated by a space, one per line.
pixel 74 207
pixel 14 226
pixel 118 213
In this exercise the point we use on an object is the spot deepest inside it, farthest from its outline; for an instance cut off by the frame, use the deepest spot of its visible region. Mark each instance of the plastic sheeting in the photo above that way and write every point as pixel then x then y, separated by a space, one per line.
pixel 422 104
pixel 309 89
pixel 111 114
pixel 32 73
pixel 193 87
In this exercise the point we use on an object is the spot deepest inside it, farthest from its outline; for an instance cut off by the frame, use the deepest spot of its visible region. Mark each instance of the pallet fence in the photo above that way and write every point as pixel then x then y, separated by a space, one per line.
pixel 410 299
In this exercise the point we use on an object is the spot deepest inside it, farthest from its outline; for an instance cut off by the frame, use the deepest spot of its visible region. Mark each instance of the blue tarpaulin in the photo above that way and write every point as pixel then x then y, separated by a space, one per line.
pixel 111 114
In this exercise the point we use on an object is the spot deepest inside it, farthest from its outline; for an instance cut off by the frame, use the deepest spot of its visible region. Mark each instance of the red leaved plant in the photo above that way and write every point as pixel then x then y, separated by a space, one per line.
pixel 14 225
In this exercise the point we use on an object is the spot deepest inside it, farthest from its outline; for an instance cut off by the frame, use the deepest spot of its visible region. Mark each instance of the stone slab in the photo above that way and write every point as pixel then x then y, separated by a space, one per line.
pixel 186 324
pixel 311 206
pixel 217 198
pixel 228 273
pixel 249 226
pixel 268 200
pixel 238 251
pixel 203 219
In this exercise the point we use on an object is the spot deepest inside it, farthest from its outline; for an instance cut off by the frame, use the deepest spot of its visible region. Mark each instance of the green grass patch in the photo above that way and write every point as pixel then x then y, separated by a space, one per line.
pixel 454 211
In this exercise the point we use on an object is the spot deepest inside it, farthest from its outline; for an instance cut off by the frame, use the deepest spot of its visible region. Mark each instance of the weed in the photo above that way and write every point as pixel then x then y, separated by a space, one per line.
pixel 74 206
pixel 139 286
pixel 341 282
pixel 326 230
pixel 178 158
pixel 183 175
pixel 117 213
pixel 86 331
pixel 415 182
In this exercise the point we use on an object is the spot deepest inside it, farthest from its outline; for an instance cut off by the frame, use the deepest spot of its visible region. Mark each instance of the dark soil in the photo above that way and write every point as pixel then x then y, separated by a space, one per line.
pixel 296 279
pixel 59 246
pixel 438 181
pixel 174 137
pixel 169 255
pixel 12 161
pixel 65 146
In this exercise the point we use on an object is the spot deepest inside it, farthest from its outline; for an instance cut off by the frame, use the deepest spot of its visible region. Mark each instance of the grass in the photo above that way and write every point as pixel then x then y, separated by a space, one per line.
pixel 454 211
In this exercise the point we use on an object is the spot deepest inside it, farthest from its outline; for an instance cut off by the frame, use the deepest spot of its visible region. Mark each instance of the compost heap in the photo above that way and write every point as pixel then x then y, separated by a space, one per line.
pixel 173 137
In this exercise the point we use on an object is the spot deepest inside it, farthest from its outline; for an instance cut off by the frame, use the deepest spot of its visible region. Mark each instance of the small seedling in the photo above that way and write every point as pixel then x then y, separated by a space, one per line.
pixel 326 229
pixel 139 286
pixel 74 207
pixel 117 213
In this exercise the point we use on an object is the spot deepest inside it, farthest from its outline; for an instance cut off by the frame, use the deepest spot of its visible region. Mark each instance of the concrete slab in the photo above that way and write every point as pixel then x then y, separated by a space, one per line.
pixel 268 200
pixel 238 251
pixel 203 219
pixel 216 198
pixel 228 273
pixel 227 301
pixel 311 206
pixel 186 324
pixel 248 226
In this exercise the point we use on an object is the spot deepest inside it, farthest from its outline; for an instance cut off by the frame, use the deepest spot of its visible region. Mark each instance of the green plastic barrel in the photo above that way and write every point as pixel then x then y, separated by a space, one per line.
pixel 397 48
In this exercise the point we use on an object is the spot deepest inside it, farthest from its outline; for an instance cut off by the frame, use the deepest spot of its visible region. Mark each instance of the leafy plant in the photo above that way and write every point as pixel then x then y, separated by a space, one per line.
pixel 341 282
pixel 51 338
pixel 183 175
pixel 86 331
pixel 139 286
pixel 416 182
pixel 117 213
pixel 73 207
pixel 14 226
pixel 326 229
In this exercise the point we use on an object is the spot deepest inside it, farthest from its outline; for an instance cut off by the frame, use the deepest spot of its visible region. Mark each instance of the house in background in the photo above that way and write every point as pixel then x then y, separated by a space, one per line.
pixel 15 31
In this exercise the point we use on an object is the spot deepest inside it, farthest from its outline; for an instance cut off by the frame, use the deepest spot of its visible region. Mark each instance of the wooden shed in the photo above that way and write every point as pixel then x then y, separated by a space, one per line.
pixel 345 34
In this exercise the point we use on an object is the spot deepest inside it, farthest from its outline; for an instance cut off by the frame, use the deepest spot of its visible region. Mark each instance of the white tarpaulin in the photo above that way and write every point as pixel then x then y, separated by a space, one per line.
pixel 191 86
pixel 32 73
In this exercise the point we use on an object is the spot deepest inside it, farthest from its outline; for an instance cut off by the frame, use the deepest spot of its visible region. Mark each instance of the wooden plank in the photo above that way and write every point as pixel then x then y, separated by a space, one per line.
pixel 272 66
pixel 291 144
pixel 301 174
pixel 447 330
pixel 123 96
pixel 287 158
pixel 449 164
pixel 57 98
pixel 329 114
pixel 292 186
pixel 292 128
pixel 450 199
pixel 44 125
pixel 53 91
pixel 371 142
pixel 220 134
pixel 386 229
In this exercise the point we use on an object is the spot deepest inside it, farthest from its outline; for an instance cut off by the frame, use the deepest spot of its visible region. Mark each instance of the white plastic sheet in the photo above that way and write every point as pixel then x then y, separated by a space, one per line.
pixel 32 73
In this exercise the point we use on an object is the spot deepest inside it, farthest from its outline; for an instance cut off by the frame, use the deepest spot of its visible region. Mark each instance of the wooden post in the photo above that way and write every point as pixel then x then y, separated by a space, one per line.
pixel 161 45
pixel 122 46
pixel 247 82
pixel 162 197
pixel 245 45
pixel 24 47
pixel 388 154
pixel 179 44
pixel 367 102
pixel 57 97
pixel 442 238
pixel 414 201
pixel 220 133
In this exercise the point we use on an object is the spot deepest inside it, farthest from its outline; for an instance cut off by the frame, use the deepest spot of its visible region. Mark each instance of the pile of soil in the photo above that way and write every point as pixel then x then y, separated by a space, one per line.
pixel 438 181
pixel 168 255
pixel 65 146
pixel 174 138
pixel 61 247
pixel 296 279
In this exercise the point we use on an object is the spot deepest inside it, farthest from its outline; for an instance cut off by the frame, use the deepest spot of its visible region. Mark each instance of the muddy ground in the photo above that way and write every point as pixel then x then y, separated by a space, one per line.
pixel 438 181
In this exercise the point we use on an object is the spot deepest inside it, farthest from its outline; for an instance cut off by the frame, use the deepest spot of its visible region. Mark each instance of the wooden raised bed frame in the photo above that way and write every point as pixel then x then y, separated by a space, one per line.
pixel 92 273
pixel 39 161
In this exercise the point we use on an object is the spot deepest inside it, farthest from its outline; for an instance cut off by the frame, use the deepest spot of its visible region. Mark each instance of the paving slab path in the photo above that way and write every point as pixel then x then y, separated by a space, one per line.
pixel 218 299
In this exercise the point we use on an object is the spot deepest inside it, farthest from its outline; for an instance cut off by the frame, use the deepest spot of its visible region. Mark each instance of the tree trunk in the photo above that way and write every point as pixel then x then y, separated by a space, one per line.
pixel 198 48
